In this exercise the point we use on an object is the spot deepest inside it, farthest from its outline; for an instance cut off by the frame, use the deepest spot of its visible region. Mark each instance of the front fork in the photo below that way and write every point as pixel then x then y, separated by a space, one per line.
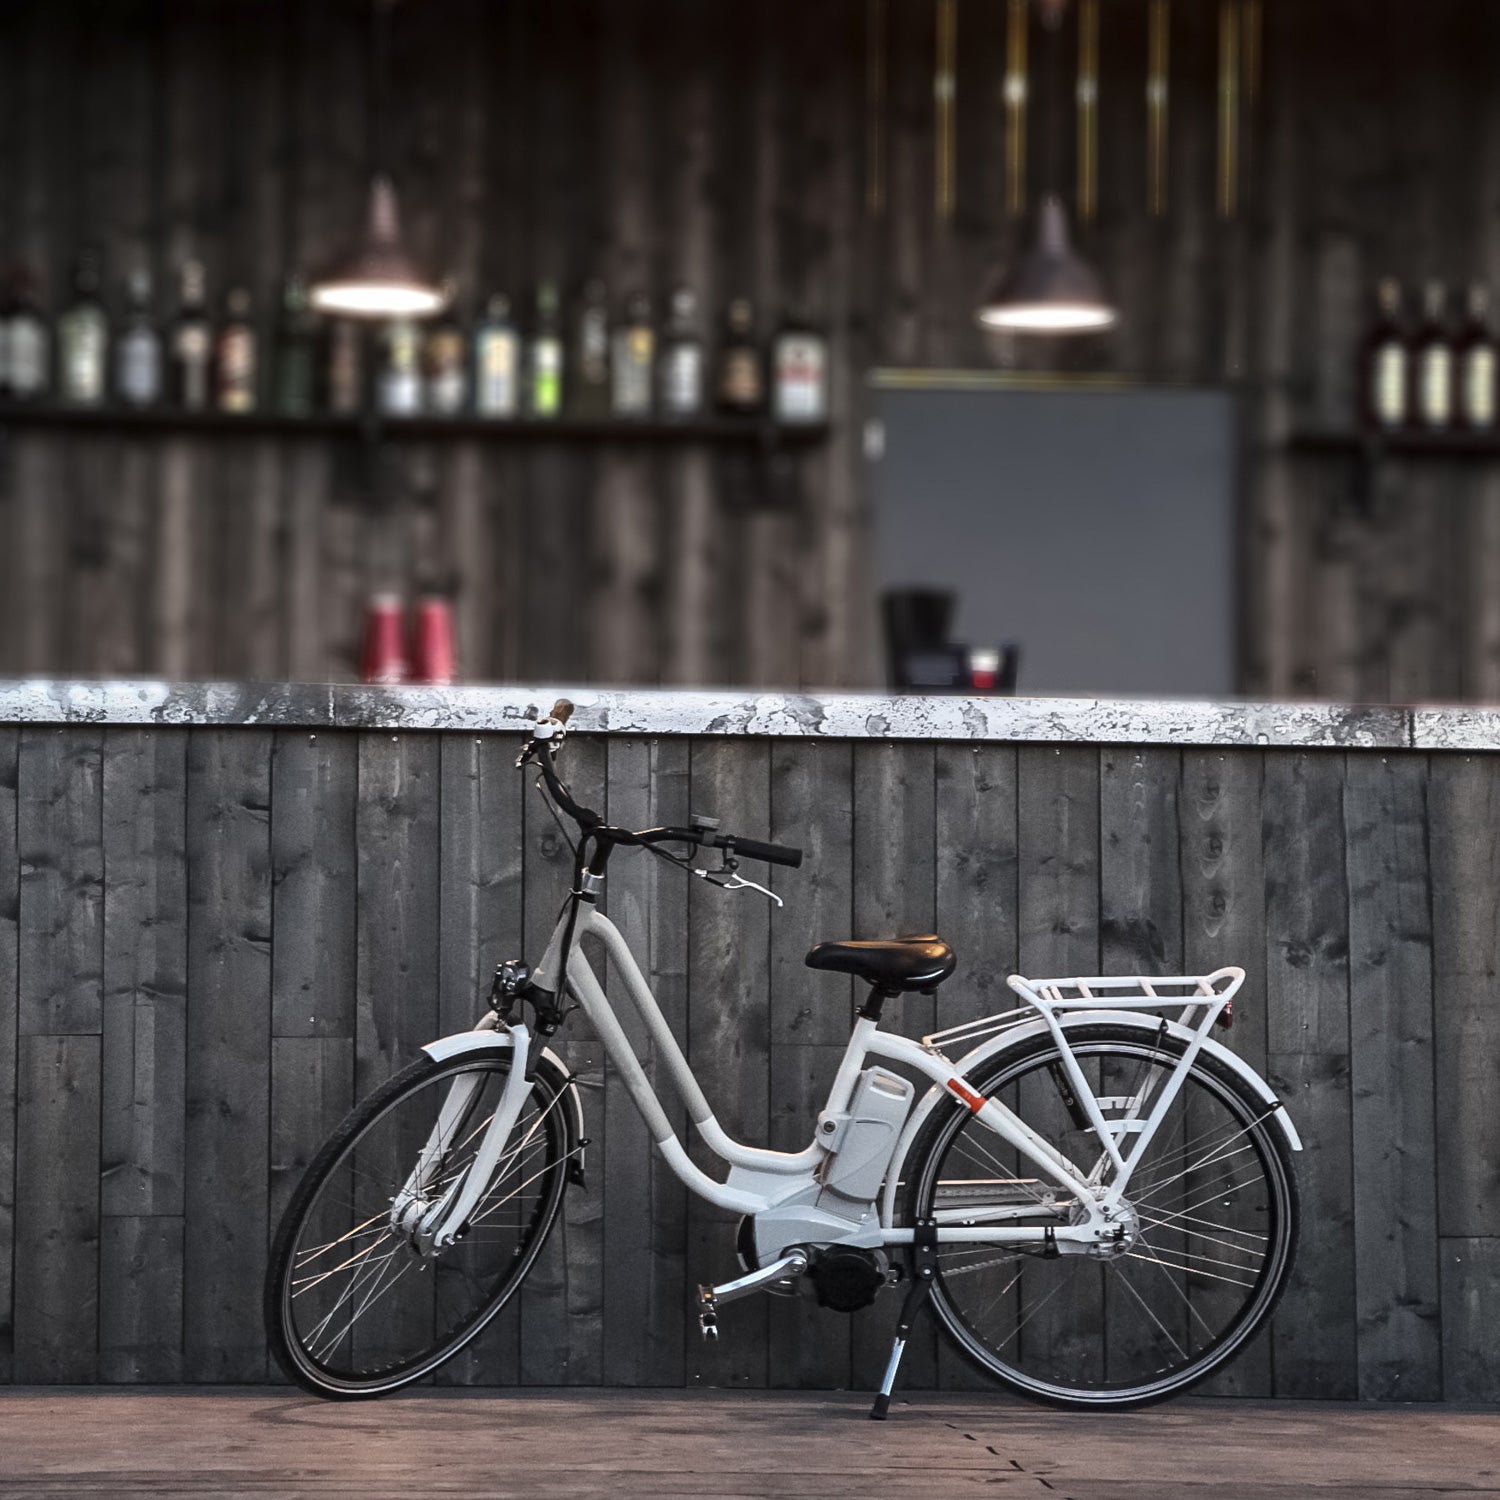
pixel 429 1227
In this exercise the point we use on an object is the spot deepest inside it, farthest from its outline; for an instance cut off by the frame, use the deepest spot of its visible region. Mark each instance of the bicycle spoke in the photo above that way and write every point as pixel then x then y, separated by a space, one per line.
pixel 362 1305
pixel 1170 1308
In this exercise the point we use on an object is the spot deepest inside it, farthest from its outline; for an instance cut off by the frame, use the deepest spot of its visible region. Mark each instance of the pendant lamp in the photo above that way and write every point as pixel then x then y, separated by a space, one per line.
pixel 1052 289
pixel 379 278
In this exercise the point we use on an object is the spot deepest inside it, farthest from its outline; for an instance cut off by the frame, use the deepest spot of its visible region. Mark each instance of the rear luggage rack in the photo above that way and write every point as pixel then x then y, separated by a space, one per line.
pixel 1210 994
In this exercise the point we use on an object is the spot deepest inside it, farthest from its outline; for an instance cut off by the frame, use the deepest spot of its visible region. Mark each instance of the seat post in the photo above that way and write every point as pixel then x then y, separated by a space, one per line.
pixel 870 1010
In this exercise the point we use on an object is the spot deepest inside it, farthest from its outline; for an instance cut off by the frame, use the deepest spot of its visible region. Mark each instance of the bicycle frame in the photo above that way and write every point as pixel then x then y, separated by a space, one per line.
pixel 761 1179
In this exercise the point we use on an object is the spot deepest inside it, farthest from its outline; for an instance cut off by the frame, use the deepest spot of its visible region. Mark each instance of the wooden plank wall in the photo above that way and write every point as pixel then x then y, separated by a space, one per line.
pixel 655 140
pixel 212 940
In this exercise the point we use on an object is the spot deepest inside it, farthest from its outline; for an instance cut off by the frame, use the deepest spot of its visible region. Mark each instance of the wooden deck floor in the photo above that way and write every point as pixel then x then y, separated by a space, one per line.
pixel 231 1443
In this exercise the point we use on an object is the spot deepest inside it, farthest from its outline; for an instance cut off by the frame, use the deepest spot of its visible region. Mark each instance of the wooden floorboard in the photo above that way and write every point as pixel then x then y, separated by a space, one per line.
pixel 232 1443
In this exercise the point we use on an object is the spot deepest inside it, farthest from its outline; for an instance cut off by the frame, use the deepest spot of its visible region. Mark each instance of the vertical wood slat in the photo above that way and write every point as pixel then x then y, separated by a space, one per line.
pixel 977 900
pixel 894 893
pixel 62 881
pixel 1464 800
pixel 646 1293
pixel 729 1042
pixel 1058 860
pixel 314 789
pixel 10 740
pixel 1470 1282
pixel 228 1044
pixel 1223 922
pixel 57 1209
pixel 812 808
pixel 562 1332
pixel 1307 1018
pixel 1391 1078
pixel 145 970
pixel 480 914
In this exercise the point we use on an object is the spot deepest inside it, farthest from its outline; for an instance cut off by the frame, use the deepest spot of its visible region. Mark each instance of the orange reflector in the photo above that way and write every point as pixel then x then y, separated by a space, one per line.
pixel 964 1092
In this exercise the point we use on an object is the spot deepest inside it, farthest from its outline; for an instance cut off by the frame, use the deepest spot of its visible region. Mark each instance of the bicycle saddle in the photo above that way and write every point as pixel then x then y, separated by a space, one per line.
pixel 908 963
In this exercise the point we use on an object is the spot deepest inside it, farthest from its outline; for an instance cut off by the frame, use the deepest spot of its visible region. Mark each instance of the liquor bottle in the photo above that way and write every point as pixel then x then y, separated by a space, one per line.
pixel 1475 353
pixel 296 351
pixel 589 390
pixel 1384 385
pixel 345 367
pixel 29 342
pixel 7 311
pixel 138 357
pixel 681 368
pixel 1431 401
pixel 444 365
pixel 545 375
pixel 83 338
pixel 800 374
pixel 192 344
pixel 634 359
pixel 741 381
pixel 235 355
pixel 398 389
pixel 497 358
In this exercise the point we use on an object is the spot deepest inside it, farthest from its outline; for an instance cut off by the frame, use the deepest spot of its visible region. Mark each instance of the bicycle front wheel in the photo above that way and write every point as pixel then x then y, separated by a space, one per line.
pixel 1212 1225
pixel 352 1309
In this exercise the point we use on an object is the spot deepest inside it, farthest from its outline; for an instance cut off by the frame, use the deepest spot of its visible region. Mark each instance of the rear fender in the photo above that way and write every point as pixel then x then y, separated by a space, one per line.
pixel 486 1039
pixel 1017 1036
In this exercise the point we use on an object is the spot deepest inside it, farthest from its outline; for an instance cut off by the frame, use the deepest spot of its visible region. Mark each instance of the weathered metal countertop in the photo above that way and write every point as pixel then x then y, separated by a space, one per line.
pixel 725 711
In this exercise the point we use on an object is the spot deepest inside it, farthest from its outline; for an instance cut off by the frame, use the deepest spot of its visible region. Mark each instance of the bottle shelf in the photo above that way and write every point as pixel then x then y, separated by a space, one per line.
pixel 758 432
pixel 1356 443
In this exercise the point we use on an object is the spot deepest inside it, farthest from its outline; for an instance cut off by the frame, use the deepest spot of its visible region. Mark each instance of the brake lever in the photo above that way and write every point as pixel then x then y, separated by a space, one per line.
pixel 736 882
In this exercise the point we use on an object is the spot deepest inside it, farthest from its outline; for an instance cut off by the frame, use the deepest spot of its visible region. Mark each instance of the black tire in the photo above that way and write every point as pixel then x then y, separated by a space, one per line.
pixel 439 1304
pixel 1171 1308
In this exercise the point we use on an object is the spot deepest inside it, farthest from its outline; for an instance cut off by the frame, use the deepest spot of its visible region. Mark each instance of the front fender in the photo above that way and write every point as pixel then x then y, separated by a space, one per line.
pixel 489 1040
pixel 1017 1036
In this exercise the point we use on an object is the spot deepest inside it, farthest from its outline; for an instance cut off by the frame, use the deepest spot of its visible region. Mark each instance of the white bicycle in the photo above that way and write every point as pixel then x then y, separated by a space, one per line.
pixel 1096 1199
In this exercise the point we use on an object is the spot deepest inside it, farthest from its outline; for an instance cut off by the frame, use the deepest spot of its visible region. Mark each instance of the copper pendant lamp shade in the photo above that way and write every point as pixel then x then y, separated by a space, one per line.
pixel 1051 289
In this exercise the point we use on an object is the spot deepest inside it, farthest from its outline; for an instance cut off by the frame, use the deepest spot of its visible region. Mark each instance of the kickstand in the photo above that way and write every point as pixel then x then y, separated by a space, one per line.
pixel 924 1269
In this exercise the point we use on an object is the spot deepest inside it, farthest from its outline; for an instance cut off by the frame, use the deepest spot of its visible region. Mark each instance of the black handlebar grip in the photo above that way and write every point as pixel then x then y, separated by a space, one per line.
pixel 772 854
pixel 562 711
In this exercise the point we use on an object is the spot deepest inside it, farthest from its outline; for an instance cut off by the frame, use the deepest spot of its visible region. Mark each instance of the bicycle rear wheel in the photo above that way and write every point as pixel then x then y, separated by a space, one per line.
pixel 1212 1240
pixel 352 1309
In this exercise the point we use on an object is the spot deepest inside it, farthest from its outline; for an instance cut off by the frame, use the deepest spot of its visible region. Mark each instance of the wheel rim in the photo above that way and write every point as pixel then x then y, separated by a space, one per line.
pixel 361 1309
pixel 1213 1220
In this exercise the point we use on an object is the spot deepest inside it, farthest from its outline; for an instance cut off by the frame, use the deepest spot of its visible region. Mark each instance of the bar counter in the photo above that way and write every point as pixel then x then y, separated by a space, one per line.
pixel 228 910
pixel 825 715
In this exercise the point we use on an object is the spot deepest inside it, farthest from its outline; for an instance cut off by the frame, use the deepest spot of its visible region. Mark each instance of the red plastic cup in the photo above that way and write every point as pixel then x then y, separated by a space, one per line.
pixel 984 670
pixel 383 658
pixel 432 641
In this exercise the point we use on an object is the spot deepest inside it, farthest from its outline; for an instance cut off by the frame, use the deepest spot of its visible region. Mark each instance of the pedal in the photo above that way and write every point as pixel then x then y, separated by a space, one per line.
pixel 708 1314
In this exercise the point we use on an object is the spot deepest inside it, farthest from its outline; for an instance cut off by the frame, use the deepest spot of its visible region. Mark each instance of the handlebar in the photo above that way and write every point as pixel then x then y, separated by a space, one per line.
pixel 771 854
pixel 541 751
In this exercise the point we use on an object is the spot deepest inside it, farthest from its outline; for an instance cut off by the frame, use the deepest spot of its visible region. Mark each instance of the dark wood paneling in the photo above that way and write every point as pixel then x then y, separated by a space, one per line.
pixel 62 881
pixel 729 1041
pixel 1465 819
pixel 646 1292
pixel 314 782
pixel 57 1209
pixel 228 1062
pixel 1223 921
pixel 1391 1080
pixel 10 742
pixel 1307 1023
pixel 145 970
pixel 145 1187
